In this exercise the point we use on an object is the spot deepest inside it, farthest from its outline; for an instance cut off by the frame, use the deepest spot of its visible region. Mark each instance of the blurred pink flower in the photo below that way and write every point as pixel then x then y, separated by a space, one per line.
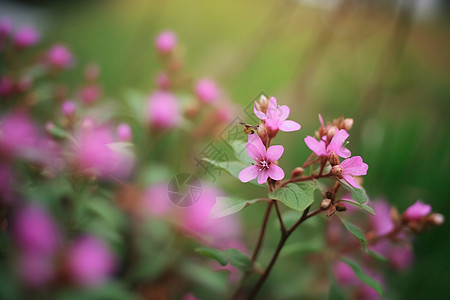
pixel 417 211
pixel 381 222
pixel 165 42
pixel 90 93
pixel 336 145
pixel 163 81
pixel 5 26
pixel 264 159
pixel 206 90
pixel 400 257
pixel 124 132
pixel 36 269
pixel 90 262
pixel 344 273
pixel 163 110
pixel 35 231
pixel 275 117
pixel 59 57
pixel 156 200
pixel 17 133
pixel 26 37
pixel 6 86
pixel 68 108
pixel 353 166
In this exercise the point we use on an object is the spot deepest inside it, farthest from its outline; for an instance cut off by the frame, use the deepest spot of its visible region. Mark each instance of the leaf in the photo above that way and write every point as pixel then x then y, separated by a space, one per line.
pixel 377 256
pixel 295 196
pixel 232 256
pixel 362 206
pixel 356 233
pixel 231 167
pixel 359 195
pixel 359 272
pixel 240 151
pixel 226 206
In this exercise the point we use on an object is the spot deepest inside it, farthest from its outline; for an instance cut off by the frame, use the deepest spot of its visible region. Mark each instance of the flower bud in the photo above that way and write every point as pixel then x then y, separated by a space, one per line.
pixel 330 210
pixel 336 170
pixel 68 108
pixel 341 207
pixel 124 132
pixel 262 104
pixel 436 219
pixel 297 172
pixel 347 124
pixel 206 90
pixel 331 132
pixel 334 159
pixel 262 132
pixel 165 42
pixel 325 203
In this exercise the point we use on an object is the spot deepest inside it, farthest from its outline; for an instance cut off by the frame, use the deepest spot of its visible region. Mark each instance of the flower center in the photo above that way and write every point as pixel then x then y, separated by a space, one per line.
pixel 264 165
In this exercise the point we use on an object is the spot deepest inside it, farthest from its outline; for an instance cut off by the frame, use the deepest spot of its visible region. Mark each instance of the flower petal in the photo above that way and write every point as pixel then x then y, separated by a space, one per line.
pixel 275 172
pixel 351 180
pixel 262 176
pixel 259 114
pixel 249 173
pixel 343 152
pixel 272 104
pixel 354 166
pixel 283 112
pixel 255 140
pixel 254 153
pixel 321 121
pixel 339 137
pixel 288 126
pixel 274 153
pixel 318 147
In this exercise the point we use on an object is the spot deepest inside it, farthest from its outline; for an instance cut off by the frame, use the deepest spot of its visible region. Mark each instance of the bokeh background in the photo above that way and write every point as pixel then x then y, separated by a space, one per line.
pixel 386 64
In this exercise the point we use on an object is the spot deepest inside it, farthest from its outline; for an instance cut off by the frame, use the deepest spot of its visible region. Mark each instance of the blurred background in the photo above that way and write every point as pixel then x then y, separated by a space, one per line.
pixel 383 63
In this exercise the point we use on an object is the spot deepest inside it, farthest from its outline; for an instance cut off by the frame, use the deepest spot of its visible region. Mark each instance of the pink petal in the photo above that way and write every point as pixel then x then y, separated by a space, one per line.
pixel 272 104
pixel 283 112
pixel 288 126
pixel 254 153
pixel 354 166
pixel 275 172
pixel 321 120
pixel 262 177
pixel 259 114
pixel 249 173
pixel 274 153
pixel 417 210
pixel 343 152
pixel 339 137
pixel 317 147
pixel 255 140
pixel 351 180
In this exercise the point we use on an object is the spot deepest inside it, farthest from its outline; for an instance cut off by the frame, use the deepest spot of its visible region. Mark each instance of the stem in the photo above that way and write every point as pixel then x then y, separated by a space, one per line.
pixel 310 177
pixel 283 227
pixel 261 234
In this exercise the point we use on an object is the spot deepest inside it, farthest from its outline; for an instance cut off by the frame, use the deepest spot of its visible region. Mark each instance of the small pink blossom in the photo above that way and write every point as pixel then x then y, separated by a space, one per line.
pixel 163 110
pixel 124 132
pixel 344 273
pixel 163 81
pixel 275 117
pixel 156 200
pixel 90 262
pixel 264 159
pixel 382 221
pixel 165 42
pixel 336 145
pixel 26 37
pixel 417 211
pixel 17 133
pixel 353 166
pixel 90 93
pixel 68 108
pixel 59 57
pixel 206 90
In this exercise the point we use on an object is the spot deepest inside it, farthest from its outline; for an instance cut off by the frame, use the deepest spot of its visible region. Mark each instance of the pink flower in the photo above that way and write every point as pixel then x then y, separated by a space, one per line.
pixel 206 90
pixel 26 37
pixel 68 108
pixel 353 166
pixel 382 221
pixel 90 93
pixel 417 211
pixel 163 110
pixel 275 117
pixel 344 273
pixel 165 42
pixel 264 159
pixel 336 145
pixel 400 257
pixel 156 200
pixel 6 86
pixel 124 132
pixel 90 262
pixel 59 57
pixel 163 81
pixel 17 133
pixel 35 231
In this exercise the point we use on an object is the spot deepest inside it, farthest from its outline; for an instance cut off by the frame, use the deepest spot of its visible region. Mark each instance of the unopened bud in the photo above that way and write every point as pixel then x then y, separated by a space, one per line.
pixel 347 124
pixel 262 133
pixel 330 210
pixel 341 207
pixel 436 219
pixel 297 172
pixel 262 104
pixel 334 159
pixel 325 203
pixel 336 170
pixel 395 216
pixel 331 132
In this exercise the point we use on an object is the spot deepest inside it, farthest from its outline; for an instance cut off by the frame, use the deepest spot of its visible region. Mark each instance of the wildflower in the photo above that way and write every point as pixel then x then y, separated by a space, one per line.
pixel 320 148
pixel 68 108
pixel 26 37
pixel 353 166
pixel 417 211
pixel 90 262
pixel 163 110
pixel 382 221
pixel 165 42
pixel 59 57
pixel 124 132
pixel 265 166
pixel 275 118
pixel 90 93
pixel 206 90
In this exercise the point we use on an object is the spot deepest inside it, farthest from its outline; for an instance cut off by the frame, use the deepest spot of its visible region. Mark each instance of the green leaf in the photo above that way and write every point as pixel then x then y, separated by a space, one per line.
pixel 226 206
pixel 356 232
pixel 240 151
pixel 362 206
pixel 58 132
pixel 232 256
pixel 231 167
pixel 359 272
pixel 295 196
pixel 377 256
pixel 359 195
